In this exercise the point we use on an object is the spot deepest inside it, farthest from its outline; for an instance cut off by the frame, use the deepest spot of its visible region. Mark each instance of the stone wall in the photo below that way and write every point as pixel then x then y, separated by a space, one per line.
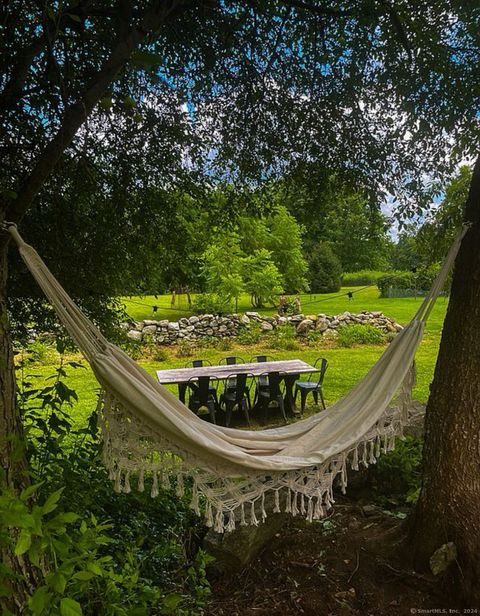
pixel 196 327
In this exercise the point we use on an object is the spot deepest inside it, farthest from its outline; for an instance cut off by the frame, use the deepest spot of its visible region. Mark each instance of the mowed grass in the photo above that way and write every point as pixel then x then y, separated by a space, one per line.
pixel 346 365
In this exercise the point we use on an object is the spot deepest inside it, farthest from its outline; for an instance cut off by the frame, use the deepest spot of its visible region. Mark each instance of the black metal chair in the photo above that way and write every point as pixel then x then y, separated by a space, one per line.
pixel 199 363
pixel 311 385
pixel 231 360
pixel 201 396
pixel 272 392
pixel 237 396
pixel 262 380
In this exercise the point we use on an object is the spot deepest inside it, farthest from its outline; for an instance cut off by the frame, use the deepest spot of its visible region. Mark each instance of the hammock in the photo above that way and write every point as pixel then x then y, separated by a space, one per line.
pixel 147 432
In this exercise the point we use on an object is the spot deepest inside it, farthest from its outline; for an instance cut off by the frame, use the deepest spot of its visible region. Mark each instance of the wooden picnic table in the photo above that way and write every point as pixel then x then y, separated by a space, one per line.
pixel 292 368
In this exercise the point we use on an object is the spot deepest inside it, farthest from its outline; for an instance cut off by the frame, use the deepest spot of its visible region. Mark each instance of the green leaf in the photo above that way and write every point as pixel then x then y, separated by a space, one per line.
pixel 94 568
pixel 57 581
pixel 70 607
pixel 29 491
pixel 51 502
pixel 24 541
pixel 171 602
pixel 83 576
pixel 40 600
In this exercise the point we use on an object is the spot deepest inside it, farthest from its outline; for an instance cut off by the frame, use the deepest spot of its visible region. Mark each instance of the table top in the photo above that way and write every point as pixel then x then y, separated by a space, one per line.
pixel 182 375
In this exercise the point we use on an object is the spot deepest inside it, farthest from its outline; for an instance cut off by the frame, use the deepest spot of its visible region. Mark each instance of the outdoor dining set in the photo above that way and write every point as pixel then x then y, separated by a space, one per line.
pixel 247 386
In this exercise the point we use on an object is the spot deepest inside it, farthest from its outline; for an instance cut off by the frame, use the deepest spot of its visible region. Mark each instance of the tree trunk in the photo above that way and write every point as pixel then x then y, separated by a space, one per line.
pixel 449 504
pixel 14 465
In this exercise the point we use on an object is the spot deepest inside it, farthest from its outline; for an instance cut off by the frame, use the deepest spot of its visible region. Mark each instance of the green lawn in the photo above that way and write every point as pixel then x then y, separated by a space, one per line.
pixel 346 365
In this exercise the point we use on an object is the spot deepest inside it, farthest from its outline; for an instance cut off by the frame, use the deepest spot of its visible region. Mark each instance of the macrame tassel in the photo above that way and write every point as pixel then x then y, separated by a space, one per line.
pixel 219 521
pixel 343 479
pixel 166 485
pixel 371 459
pixel 276 508
pixel 310 509
pixel 327 500
pixel 111 474
pixel 231 522
pixel 295 504
pixel 318 511
pixel 303 511
pixel 117 486
pixel 378 447
pixel 364 456
pixel 391 443
pixel 263 512
pixel 253 517
pixel 141 481
pixel 209 515
pixel 354 463
pixel 154 492
pixel 288 502
pixel 194 502
pixel 243 521
pixel 126 487
pixel 180 490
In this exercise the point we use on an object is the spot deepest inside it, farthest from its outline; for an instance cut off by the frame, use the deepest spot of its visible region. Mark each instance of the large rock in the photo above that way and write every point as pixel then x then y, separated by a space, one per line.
pixel 149 330
pixel 235 550
pixel 305 326
pixel 266 326
pixel 134 334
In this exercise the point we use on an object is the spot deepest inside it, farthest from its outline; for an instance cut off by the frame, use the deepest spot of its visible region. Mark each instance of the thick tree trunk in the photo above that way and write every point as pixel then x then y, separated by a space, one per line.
pixel 449 504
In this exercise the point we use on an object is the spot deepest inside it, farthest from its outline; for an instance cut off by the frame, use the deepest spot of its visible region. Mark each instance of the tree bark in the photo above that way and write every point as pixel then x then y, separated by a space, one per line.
pixel 449 504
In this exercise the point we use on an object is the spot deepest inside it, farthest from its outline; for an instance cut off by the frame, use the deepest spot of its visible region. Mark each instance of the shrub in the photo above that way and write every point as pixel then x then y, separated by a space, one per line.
pixel 224 344
pixel 283 338
pixel 397 476
pixel 249 334
pixel 409 282
pixel 350 335
pixel 185 348
pixel 325 269
pixel 211 303
pixel 364 277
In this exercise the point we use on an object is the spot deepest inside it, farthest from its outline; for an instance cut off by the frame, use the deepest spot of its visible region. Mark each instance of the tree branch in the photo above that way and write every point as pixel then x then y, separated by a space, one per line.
pixel 319 10
pixel 75 116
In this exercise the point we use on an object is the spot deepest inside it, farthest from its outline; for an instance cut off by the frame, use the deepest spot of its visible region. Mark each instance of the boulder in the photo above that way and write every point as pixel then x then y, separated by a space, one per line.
pixel 305 326
pixel 322 325
pixel 235 550
pixel 266 326
pixel 244 319
pixel 149 330
pixel 173 326
pixel 134 334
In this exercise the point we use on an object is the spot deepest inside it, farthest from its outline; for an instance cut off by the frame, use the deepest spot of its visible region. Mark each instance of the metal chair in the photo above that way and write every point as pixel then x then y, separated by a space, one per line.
pixel 237 396
pixel 312 385
pixel 262 380
pixel 272 392
pixel 199 363
pixel 231 360
pixel 201 396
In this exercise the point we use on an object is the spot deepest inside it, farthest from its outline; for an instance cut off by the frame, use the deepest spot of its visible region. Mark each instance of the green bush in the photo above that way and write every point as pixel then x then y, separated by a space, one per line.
pixel 351 335
pixel 364 277
pixel 211 303
pixel 283 338
pixel 185 348
pixel 396 477
pixel 106 553
pixel 249 334
pixel 409 282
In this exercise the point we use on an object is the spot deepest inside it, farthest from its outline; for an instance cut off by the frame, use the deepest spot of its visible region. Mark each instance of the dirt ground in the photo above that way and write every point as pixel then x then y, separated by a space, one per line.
pixel 346 565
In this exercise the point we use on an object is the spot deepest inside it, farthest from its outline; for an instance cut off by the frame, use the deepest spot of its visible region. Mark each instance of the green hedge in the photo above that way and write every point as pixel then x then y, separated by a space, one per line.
pixel 415 283
pixel 364 277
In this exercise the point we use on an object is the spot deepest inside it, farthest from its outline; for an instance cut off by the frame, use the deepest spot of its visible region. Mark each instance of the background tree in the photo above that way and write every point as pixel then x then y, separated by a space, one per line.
pixel 325 270
pixel 262 279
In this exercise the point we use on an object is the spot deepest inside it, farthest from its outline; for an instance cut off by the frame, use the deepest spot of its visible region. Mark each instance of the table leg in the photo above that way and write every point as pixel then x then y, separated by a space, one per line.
pixel 289 396
pixel 182 392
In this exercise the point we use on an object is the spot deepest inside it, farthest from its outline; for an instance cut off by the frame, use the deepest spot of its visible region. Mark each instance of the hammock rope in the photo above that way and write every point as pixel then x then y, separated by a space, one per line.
pixel 149 434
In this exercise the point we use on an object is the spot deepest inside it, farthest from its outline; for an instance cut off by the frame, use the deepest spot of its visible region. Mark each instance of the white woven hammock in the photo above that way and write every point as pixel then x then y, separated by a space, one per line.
pixel 149 433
